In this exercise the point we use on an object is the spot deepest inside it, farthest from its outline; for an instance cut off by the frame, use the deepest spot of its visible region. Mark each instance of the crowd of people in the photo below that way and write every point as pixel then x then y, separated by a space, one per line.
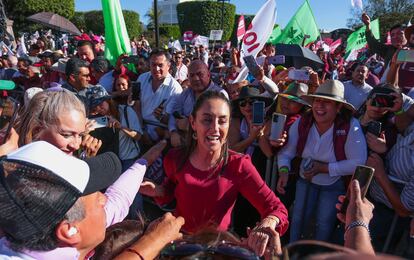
pixel 160 154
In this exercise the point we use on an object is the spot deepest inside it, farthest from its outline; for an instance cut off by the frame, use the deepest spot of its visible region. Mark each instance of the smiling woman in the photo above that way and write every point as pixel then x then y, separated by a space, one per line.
pixel 205 178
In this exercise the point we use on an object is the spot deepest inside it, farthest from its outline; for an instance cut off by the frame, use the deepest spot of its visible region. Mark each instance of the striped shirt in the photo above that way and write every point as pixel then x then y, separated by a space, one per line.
pixel 400 169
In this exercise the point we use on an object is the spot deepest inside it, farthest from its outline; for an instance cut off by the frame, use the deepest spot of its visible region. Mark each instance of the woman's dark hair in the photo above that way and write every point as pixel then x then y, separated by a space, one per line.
pixel 118 237
pixel 190 142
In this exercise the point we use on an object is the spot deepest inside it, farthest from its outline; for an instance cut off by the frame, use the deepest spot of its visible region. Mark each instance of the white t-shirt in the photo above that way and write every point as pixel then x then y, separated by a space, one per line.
pixel 356 95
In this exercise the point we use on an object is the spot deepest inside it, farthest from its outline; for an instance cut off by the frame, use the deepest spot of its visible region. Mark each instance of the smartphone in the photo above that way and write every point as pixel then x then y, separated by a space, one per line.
pixel 136 90
pixel 258 113
pixel 382 100
pixel 302 75
pixel 307 164
pixel 405 56
pixel 277 59
pixel 131 59
pixel 100 122
pixel 364 176
pixel 374 127
pixel 278 125
pixel 251 64
pixel 9 112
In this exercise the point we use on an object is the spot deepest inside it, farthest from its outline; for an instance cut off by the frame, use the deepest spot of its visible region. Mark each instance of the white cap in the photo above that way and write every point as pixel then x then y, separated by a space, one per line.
pixel 48 156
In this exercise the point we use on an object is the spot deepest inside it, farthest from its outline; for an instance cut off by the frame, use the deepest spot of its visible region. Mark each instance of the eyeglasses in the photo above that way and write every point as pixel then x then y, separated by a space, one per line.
pixel 185 248
pixel 244 102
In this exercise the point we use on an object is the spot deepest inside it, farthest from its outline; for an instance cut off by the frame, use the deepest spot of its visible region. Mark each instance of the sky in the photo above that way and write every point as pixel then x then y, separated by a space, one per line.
pixel 329 15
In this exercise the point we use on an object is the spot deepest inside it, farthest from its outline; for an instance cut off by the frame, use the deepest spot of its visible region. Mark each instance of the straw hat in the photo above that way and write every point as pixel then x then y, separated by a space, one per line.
pixel 332 90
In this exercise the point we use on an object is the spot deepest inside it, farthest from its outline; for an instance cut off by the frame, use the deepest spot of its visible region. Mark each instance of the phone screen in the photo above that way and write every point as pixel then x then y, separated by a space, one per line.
pixel 406 56
pixel 100 122
pixel 383 100
pixel 251 64
pixel 258 112
pixel 136 90
pixel 374 127
pixel 9 111
pixel 364 176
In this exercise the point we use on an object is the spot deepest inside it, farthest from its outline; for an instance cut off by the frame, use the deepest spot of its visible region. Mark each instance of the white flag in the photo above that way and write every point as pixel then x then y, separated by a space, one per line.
pixel 177 45
pixel 22 51
pixel 257 34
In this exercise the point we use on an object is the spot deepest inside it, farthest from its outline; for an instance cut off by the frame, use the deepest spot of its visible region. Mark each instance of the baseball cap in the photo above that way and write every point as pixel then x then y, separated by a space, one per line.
pixel 39 184
pixel 96 95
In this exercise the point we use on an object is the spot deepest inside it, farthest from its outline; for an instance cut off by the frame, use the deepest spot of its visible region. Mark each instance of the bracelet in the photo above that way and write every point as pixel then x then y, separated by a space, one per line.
pixel 284 170
pixel 131 250
pixel 401 111
pixel 357 224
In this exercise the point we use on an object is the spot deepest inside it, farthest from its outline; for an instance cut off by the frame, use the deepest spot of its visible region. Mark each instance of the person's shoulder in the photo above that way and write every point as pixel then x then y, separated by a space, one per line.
pixel 237 158
pixel 144 76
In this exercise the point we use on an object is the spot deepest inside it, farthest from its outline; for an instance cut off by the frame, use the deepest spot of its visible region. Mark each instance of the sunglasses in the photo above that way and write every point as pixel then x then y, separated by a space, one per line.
pixel 244 102
pixel 184 248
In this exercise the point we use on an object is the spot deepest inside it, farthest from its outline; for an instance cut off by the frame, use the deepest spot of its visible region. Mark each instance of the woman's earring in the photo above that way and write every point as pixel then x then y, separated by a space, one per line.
pixel 194 136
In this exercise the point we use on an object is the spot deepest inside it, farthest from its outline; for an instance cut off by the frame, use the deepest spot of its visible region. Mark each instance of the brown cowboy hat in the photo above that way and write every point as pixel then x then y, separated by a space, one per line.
pixel 332 90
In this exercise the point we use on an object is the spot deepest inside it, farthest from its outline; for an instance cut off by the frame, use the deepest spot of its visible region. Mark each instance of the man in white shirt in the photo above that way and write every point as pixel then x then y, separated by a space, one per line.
pixel 200 81
pixel 158 89
pixel 182 70
pixel 203 54
pixel 357 90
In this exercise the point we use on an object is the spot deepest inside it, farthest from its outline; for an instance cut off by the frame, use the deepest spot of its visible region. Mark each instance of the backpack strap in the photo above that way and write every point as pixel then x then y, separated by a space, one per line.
pixel 305 124
pixel 340 134
pixel 127 122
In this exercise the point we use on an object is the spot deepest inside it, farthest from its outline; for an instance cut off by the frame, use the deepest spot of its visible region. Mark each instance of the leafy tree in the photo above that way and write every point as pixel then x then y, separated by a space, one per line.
pixel 79 20
pixel 203 16
pixel 170 31
pixel 18 10
pixel 151 17
pixel 93 21
pixel 389 12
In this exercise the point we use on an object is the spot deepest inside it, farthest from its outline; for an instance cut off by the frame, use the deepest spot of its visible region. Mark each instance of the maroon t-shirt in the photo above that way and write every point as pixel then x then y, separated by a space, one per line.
pixel 406 76
pixel 206 198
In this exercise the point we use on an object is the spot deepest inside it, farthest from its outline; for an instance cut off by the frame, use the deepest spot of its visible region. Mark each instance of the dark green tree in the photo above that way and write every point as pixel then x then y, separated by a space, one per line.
pixel 170 31
pixel 389 12
pixel 18 10
pixel 203 16
pixel 93 21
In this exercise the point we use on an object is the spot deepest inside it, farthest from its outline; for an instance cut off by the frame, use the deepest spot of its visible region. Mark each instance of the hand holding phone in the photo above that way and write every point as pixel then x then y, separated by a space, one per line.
pixel 364 176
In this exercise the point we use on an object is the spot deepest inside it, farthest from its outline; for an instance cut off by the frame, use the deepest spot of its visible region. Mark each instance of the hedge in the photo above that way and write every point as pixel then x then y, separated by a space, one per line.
pixel 170 31
pixel 93 21
pixel 18 10
pixel 203 16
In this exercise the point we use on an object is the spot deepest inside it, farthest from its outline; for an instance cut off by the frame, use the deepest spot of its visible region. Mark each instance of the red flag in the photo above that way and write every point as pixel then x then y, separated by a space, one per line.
pixel 241 29
pixel 335 45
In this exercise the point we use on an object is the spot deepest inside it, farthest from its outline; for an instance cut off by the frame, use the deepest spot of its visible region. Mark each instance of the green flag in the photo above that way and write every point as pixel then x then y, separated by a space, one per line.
pixel 357 39
pixel 116 35
pixel 275 33
pixel 303 22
